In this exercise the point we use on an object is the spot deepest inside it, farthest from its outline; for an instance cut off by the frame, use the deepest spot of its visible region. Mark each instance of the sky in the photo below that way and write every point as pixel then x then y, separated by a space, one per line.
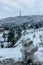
pixel 12 8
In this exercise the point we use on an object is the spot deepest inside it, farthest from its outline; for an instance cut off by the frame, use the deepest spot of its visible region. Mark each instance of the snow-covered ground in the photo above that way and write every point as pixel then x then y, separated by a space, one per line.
pixel 39 55
pixel 7 53
pixel 35 35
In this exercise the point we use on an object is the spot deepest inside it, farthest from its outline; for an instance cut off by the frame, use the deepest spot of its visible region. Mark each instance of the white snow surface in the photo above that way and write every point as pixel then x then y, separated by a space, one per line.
pixel 7 53
pixel 1 38
pixel 15 52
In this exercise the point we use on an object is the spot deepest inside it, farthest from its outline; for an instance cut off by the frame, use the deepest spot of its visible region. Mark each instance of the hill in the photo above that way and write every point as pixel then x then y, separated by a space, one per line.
pixel 20 20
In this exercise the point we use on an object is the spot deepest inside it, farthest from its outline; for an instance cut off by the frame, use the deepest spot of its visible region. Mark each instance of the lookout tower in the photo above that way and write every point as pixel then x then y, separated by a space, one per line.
pixel 20 13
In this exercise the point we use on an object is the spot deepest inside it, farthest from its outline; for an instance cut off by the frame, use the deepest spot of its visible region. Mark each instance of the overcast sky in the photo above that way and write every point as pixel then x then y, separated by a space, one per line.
pixel 11 8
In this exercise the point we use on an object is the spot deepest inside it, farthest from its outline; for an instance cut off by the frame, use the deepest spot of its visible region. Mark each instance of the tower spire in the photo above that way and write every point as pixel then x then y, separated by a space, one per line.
pixel 20 12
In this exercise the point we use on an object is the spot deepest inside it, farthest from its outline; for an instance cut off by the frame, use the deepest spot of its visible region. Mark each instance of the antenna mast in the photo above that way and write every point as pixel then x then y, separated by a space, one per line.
pixel 20 12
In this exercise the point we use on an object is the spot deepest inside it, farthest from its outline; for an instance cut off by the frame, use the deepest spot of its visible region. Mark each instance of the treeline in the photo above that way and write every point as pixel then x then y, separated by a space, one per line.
pixel 15 31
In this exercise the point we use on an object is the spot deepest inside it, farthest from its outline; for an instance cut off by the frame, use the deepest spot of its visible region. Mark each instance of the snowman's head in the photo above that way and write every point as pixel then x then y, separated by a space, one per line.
pixel 27 42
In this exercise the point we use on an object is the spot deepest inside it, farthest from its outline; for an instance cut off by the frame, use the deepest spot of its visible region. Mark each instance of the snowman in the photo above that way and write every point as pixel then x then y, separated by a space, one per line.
pixel 28 49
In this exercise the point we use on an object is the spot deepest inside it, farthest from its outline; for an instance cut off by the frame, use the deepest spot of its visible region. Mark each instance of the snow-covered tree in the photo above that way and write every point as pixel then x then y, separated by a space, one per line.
pixel 40 38
pixel 11 38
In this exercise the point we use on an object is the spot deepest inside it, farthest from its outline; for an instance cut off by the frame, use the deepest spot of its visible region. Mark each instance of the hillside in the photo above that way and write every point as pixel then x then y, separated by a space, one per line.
pixel 20 20
pixel 14 53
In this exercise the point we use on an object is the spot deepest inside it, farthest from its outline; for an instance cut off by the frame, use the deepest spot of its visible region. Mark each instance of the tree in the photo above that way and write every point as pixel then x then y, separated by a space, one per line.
pixel 14 35
pixel 6 28
pixel 4 36
pixel 40 38
pixel 36 26
pixel 11 38
pixel 2 45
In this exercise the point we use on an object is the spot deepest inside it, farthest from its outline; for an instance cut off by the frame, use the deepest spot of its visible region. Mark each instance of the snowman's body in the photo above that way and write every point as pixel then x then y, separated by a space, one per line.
pixel 28 50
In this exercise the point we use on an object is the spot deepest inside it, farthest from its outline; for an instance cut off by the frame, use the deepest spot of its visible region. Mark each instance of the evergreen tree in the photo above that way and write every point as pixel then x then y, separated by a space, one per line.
pixel 36 26
pixel 11 38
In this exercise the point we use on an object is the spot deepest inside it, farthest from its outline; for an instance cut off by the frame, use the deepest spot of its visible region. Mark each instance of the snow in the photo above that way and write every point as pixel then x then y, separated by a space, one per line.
pixel 7 53
pixel 1 38
pixel 35 36
pixel 15 52
pixel 39 55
